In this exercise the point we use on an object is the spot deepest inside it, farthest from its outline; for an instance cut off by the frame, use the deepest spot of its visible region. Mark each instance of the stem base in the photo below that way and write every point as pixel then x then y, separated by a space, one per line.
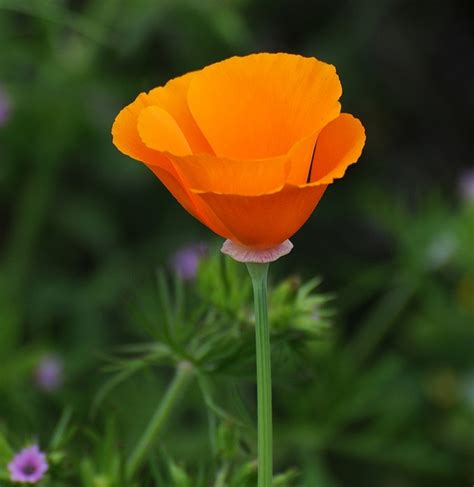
pixel 241 253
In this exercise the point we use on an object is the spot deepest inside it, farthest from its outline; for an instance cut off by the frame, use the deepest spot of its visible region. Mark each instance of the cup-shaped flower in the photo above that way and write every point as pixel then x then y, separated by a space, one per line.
pixel 247 145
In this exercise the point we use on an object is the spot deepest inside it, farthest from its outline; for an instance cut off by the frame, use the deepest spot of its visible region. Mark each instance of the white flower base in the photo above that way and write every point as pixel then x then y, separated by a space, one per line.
pixel 241 253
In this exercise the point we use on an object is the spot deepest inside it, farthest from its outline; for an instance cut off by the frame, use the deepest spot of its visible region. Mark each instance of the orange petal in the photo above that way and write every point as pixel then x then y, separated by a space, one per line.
pixel 259 106
pixel 173 98
pixel 218 175
pixel 176 189
pixel 300 155
pixel 338 145
pixel 128 141
pixel 266 220
pixel 159 131
pixel 191 202
pixel 126 137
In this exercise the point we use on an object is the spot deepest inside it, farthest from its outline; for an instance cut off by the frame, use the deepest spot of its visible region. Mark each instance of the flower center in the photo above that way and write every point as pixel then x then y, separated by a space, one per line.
pixel 28 469
pixel 308 179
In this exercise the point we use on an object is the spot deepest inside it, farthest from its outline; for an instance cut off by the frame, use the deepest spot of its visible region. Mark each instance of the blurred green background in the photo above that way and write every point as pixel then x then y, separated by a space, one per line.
pixel 83 228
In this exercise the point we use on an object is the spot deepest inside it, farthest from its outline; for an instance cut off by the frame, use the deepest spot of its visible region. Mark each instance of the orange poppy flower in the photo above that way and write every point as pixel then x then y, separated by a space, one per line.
pixel 247 145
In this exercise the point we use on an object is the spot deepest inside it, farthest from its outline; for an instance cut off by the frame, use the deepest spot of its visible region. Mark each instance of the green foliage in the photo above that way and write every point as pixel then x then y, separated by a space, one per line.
pixel 373 364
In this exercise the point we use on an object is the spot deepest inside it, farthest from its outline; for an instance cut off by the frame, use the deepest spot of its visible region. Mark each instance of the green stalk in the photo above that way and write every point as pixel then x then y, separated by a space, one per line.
pixel 180 381
pixel 258 273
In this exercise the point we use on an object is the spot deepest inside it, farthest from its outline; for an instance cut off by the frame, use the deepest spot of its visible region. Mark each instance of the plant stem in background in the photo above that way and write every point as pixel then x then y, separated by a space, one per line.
pixel 181 380
pixel 258 273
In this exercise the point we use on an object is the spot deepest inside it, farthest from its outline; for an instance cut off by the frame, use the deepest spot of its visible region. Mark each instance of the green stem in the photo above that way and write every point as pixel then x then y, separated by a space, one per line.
pixel 258 273
pixel 180 381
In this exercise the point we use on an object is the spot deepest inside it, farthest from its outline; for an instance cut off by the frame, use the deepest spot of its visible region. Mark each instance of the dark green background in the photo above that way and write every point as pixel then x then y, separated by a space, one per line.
pixel 82 227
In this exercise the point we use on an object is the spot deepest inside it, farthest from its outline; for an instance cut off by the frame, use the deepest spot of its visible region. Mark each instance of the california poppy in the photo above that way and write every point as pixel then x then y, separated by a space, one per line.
pixel 247 145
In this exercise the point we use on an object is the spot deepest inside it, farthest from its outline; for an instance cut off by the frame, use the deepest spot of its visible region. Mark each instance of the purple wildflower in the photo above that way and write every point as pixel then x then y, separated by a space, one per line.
pixel 28 466
pixel 186 260
pixel 466 185
pixel 5 107
pixel 49 373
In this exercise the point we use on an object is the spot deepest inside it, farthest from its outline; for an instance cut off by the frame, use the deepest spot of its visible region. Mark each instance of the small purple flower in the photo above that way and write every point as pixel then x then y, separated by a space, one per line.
pixel 186 260
pixel 28 466
pixel 5 107
pixel 466 185
pixel 49 373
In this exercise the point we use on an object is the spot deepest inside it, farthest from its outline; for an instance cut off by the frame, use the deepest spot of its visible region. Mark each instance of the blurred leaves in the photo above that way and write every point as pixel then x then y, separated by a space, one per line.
pixel 373 365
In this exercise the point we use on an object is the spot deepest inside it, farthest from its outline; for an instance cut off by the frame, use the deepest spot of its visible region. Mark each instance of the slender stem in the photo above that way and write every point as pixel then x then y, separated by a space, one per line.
pixel 258 273
pixel 180 381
